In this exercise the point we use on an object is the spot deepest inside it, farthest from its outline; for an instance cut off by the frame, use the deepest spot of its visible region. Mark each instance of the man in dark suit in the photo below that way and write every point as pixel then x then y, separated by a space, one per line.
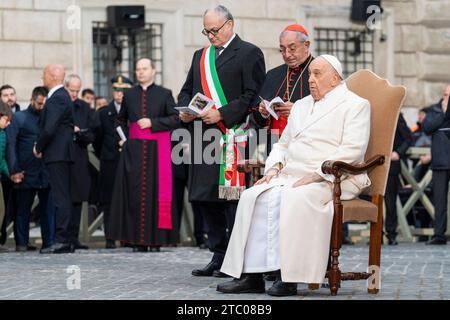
pixel 107 149
pixel 55 145
pixel 437 124
pixel 239 70
pixel 402 141
pixel 80 180
pixel 29 174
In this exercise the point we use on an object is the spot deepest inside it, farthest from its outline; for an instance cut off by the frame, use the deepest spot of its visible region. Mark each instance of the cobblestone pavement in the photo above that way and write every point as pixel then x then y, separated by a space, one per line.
pixel 409 271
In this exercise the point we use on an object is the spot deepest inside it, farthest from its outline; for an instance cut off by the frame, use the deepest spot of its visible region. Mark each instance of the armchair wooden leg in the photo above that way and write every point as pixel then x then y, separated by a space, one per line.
pixel 375 248
pixel 313 286
pixel 334 274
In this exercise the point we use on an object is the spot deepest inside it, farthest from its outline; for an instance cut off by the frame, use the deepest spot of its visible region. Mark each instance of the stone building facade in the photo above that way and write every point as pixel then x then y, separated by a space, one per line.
pixel 412 47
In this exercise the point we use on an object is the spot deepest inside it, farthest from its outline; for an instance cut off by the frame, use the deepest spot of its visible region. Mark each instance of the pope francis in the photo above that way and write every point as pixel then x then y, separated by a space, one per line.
pixel 284 221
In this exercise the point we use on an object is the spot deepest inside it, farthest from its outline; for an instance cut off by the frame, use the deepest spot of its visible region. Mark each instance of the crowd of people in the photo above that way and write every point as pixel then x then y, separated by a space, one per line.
pixel 43 153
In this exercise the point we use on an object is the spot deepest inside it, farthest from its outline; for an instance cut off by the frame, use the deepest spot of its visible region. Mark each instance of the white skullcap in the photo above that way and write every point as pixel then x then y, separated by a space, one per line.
pixel 334 63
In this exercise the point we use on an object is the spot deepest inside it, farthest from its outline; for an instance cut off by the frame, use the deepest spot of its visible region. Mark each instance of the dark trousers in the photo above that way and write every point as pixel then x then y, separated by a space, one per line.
pixel 74 226
pixel 59 176
pixel 25 199
pixel 390 200
pixel 219 220
pixel 440 191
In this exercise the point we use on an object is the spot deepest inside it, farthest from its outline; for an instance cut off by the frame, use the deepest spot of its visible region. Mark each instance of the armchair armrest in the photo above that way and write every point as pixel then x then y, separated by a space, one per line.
pixel 337 168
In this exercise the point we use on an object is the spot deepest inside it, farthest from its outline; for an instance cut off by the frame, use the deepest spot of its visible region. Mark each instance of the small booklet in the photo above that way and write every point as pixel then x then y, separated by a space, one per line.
pixel 121 134
pixel 277 101
pixel 199 103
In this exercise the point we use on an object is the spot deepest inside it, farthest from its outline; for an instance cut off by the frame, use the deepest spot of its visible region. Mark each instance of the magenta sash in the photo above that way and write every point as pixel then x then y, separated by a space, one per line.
pixel 164 171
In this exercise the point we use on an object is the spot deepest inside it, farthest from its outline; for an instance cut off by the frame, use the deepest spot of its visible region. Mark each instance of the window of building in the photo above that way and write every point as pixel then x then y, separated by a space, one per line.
pixel 354 48
pixel 117 50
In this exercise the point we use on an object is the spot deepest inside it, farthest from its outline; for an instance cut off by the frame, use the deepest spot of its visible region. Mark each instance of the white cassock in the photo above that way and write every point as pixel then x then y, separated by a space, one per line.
pixel 281 227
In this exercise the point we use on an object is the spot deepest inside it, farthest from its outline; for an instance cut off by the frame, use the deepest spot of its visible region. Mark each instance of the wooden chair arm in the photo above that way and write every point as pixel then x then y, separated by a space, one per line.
pixel 339 167
pixel 251 166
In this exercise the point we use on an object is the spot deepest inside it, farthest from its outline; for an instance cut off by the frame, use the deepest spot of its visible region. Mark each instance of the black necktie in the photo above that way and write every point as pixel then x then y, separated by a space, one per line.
pixel 216 53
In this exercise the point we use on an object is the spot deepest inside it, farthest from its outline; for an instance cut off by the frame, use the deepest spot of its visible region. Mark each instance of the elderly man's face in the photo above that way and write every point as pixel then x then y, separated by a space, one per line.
pixel 218 30
pixel 73 88
pixel 9 97
pixel 293 51
pixel 322 78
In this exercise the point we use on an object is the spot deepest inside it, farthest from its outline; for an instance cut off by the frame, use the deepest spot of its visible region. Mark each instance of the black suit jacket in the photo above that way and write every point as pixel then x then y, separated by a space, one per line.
pixel 241 71
pixel 402 141
pixel 56 138
pixel 437 124
pixel 106 138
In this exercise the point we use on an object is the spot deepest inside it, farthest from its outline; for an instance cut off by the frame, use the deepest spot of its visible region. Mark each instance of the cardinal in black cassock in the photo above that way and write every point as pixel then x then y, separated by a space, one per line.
pixel 141 208
pixel 288 81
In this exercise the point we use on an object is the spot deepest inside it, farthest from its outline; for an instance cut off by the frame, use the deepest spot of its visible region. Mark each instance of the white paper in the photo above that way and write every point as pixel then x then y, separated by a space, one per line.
pixel 271 104
pixel 121 134
pixel 199 104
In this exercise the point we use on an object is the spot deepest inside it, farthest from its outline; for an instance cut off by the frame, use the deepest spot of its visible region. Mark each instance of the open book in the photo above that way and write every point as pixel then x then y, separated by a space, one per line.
pixel 270 105
pixel 198 104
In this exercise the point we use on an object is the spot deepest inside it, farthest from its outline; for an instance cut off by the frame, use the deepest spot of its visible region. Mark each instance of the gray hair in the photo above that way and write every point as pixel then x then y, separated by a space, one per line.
pixel 299 35
pixel 221 11
pixel 70 77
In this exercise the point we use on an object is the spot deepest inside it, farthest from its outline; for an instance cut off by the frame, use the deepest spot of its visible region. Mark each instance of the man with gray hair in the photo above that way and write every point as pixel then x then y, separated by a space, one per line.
pixel 80 178
pixel 230 72
pixel 288 81
pixel 284 221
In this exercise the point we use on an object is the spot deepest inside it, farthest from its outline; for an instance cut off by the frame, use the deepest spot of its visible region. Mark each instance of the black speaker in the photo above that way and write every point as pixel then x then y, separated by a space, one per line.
pixel 359 9
pixel 130 17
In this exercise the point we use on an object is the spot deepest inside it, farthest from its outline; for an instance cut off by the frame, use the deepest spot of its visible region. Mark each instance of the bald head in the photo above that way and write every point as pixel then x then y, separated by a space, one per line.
pixel 322 78
pixel 53 75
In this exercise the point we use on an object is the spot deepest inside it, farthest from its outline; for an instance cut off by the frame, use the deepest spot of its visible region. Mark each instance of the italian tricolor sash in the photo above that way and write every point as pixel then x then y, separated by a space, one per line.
pixel 231 182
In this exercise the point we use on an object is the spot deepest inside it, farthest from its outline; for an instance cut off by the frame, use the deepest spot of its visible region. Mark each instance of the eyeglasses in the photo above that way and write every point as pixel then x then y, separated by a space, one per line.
pixel 214 32
pixel 289 49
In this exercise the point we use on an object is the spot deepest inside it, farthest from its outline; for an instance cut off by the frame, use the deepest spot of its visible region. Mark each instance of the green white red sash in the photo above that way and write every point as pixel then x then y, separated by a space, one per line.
pixel 231 182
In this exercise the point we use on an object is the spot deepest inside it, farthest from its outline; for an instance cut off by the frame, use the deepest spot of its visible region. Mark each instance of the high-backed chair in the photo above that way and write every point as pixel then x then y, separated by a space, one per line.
pixel 386 101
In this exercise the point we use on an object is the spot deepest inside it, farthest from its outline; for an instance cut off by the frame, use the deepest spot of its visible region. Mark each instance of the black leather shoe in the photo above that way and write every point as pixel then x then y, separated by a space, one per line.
pixel 59 248
pixel 208 270
pixel 218 274
pixel 25 248
pixel 392 242
pixel 202 246
pixel 78 246
pixel 155 248
pixel 140 249
pixel 282 289
pixel 248 283
pixel 271 276
pixel 110 244
pixel 436 241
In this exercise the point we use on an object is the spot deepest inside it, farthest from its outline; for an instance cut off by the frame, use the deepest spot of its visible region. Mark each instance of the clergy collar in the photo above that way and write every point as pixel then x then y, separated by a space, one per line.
pixel 146 88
